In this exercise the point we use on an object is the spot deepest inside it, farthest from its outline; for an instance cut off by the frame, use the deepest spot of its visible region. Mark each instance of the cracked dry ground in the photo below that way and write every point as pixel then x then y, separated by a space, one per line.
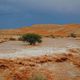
pixel 52 67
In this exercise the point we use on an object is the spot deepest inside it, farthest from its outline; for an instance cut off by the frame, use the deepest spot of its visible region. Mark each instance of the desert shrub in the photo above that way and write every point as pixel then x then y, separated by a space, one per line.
pixel 32 38
pixel 20 39
pixel 38 76
pixel 12 39
pixel 52 36
pixel 47 36
pixel 73 35
pixel 5 38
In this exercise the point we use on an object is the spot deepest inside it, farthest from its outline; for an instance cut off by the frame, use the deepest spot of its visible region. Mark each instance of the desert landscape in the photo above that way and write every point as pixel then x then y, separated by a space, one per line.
pixel 39 39
pixel 56 58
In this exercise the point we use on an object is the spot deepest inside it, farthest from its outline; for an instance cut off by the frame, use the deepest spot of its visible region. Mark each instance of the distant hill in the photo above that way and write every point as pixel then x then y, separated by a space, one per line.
pixel 46 29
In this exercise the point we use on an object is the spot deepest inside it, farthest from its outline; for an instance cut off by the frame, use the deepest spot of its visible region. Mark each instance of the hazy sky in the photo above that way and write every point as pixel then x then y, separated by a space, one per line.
pixel 18 13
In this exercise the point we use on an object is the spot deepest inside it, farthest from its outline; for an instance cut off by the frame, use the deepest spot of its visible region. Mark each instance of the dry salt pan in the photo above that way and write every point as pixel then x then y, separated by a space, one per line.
pixel 33 52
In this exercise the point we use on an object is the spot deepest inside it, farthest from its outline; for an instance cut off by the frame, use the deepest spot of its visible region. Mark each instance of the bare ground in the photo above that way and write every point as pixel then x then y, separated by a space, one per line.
pixel 51 65
pixel 48 46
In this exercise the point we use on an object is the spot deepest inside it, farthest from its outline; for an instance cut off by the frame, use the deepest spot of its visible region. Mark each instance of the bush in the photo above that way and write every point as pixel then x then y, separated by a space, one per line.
pixel 32 38
pixel 73 35
pixel 12 39
pixel 52 36
pixel 20 39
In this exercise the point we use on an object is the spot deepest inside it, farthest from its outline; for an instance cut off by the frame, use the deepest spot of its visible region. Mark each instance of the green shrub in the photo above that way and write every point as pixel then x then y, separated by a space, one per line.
pixel 32 38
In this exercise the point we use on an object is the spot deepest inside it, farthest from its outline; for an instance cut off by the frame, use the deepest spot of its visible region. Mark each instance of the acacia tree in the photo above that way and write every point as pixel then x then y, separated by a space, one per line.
pixel 32 38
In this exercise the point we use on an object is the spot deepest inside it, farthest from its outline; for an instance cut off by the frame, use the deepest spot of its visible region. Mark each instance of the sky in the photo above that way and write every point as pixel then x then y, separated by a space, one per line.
pixel 19 13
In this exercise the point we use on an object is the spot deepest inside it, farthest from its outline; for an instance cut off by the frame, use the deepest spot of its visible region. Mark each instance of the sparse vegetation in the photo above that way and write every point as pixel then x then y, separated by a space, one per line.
pixel 12 39
pixel 73 35
pixel 20 38
pixel 52 36
pixel 32 38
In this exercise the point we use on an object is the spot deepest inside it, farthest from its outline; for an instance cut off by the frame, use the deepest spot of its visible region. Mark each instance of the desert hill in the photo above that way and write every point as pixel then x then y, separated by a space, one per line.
pixel 45 29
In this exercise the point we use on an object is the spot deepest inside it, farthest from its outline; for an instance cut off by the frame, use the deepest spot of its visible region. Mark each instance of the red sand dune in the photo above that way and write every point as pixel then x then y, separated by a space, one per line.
pixel 46 29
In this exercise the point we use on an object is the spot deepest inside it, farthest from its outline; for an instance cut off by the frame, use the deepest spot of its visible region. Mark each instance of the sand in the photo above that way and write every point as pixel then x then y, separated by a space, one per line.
pixel 13 49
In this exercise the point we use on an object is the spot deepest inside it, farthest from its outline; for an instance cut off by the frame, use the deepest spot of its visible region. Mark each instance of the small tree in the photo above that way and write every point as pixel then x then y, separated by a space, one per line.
pixel 32 38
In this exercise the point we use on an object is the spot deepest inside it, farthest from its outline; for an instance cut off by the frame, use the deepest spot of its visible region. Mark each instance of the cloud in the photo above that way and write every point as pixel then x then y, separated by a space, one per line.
pixel 51 6
pixel 56 5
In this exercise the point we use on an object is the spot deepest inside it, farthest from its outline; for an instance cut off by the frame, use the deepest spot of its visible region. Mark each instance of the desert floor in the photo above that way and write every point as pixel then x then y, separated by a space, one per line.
pixel 53 59
pixel 13 49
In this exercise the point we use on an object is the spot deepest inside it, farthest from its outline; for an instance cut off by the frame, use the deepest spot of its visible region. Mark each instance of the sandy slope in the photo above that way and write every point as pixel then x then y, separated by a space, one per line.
pixel 45 29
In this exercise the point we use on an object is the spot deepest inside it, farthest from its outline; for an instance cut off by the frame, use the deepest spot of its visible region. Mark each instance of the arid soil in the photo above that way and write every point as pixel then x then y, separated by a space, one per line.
pixel 53 67
pixel 13 49
pixel 53 59
pixel 44 29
